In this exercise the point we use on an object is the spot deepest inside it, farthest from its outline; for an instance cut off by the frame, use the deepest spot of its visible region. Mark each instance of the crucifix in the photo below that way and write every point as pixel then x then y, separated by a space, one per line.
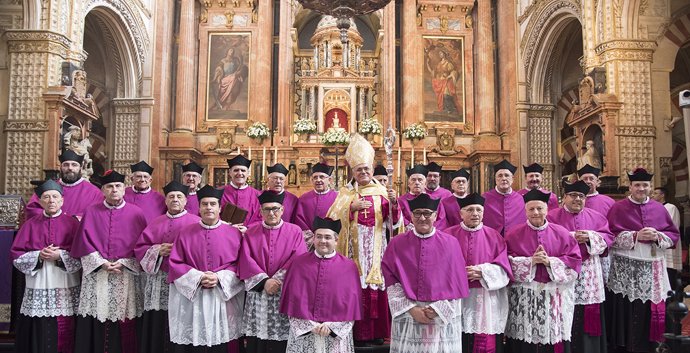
pixel 366 213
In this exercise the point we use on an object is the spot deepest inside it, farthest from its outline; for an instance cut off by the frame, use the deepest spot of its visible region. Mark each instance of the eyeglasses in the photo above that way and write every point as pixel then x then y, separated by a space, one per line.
pixel 577 195
pixel 271 209
pixel 419 214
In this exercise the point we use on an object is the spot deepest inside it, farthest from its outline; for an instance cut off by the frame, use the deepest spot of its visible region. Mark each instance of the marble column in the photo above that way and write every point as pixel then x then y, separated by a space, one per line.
pixel 262 58
pixel 411 67
pixel 285 70
pixel 185 107
pixel 485 106
pixel 388 75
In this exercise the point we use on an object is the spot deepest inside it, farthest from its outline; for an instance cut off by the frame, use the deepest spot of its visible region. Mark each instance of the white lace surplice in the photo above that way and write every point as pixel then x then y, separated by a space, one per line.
pixel 50 290
pixel 636 272
pixel 540 313
pixel 110 296
pixel 301 339
pixel 262 318
pixel 485 310
pixel 589 286
pixel 444 335
pixel 156 287
pixel 205 317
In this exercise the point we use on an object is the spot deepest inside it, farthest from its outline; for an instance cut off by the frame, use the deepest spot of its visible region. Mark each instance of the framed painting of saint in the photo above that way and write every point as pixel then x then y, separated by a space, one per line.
pixel 227 89
pixel 444 79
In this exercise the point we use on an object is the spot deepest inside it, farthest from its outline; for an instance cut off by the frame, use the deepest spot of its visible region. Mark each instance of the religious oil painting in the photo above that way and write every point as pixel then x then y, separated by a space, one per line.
pixel 227 91
pixel 444 79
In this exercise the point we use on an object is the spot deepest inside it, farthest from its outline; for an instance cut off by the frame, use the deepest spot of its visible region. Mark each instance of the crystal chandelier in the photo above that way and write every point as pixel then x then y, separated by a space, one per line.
pixel 343 10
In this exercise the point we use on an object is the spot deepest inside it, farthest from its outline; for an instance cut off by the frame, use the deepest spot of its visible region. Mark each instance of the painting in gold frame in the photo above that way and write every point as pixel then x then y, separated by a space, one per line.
pixel 227 89
pixel 444 79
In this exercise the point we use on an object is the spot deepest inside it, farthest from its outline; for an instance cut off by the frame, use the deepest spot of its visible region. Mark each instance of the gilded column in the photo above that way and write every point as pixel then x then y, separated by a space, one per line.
pixel 486 109
pixel 185 107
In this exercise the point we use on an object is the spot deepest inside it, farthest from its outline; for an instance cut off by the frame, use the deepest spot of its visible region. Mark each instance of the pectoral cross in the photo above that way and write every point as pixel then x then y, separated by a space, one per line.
pixel 366 213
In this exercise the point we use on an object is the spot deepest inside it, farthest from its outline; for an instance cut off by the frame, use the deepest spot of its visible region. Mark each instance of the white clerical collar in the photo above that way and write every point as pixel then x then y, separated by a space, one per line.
pixel 280 224
pixel 191 193
pixel 432 190
pixel 239 187
pixel 173 216
pixel 327 256
pixel 637 202
pixel 478 227
pixel 72 184
pixel 204 225
pixel 593 194
pixel 424 236
pixel 504 193
pixel 460 197
pixel 59 212
pixel 413 195
pixel 546 224
pixel 322 193
pixel 111 207
pixel 145 191
pixel 565 207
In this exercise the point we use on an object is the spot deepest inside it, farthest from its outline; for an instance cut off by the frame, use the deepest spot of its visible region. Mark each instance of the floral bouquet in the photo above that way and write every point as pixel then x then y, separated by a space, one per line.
pixel 304 126
pixel 370 126
pixel 334 137
pixel 416 131
pixel 258 130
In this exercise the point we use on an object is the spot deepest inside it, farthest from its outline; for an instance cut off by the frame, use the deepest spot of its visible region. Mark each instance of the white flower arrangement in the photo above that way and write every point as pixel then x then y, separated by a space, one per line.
pixel 415 131
pixel 304 126
pixel 334 137
pixel 258 130
pixel 370 126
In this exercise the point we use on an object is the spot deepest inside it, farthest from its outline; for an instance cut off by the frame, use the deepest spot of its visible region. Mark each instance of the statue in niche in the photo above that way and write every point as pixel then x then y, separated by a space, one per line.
pixel 336 122
pixel 74 141
pixel 591 156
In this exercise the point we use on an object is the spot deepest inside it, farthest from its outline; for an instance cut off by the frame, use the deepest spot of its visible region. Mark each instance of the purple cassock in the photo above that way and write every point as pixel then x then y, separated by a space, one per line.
pixel 40 231
pixel 523 241
pixel 626 215
pixel 163 229
pixel 403 203
pixel 438 193
pixel 600 203
pixel 587 219
pixel 245 197
pixel 451 211
pixel 77 197
pixel 289 206
pixel 269 249
pixel 192 205
pixel 152 203
pixel 311 205
pixel 110 231
pixel 322 289
pixel 553 199
pixel 428 269
pixel 502 211
pixel 480 247
pixel 204 249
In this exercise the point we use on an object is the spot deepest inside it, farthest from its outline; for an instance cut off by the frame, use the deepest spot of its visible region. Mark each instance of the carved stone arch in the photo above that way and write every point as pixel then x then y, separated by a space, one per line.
pixel 671 40
pixel 132 32
pixel 630 18
pixel 123 55
pixel 543 30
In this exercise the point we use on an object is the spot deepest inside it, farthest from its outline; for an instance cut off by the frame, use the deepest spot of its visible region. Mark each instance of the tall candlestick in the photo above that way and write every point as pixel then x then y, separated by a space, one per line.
pixel 424 154
pixel 412 158
pixel 263 162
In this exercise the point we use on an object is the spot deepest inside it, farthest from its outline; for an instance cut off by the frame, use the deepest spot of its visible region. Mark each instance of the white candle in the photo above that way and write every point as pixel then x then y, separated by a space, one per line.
pixel 398 173
pixel 263 162
pixel 238 150
pixel 412 158
pixel 424 155
pixel 275 155
pixel 249 153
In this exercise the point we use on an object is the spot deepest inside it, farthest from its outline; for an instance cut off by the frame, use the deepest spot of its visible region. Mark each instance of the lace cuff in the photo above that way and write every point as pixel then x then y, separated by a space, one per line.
pixel 131 264
pixel 523 269
pixel 445 310
pixel 71 264
pixel 559 272
pixel 398 301
pixel 151 262
pixel 188 284
pixel 92 262
pixel 493 276
pixel 664 241
pixel 228 284
pixel 253 281
pixel 625 240
pixel 340 328
pixel 280 275
pixel 596 245
pixel 302 327
pixel 399 223
pixel 26 263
